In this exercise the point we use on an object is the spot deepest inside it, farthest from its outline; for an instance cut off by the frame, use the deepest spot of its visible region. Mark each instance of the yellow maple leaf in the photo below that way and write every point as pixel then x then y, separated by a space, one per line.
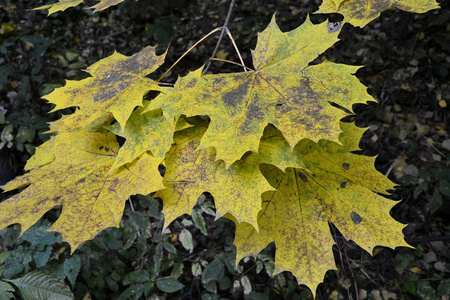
pixel 117 86
pixel 61 5
pixel 336 187
pixel 104 4
pixel 361 12
pixel 189 173
pixel 149 131
pixel 78 178
pixel 284 90
pixel 338 3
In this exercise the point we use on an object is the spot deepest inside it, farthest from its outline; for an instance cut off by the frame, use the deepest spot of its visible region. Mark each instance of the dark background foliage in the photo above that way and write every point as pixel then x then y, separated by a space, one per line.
pixel 407 64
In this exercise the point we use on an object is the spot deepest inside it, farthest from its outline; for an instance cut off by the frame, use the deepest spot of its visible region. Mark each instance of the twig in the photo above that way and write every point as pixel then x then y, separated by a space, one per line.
pixel 388 171
pixel 131 203
pixel 368 277
pixel 132 208
pixel 189 50
pixel 165 83
pixel 351 274
pixel 222 33
pixel 428 239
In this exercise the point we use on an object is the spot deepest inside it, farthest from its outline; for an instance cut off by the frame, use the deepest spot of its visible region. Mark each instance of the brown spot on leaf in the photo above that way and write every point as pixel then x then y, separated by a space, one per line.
pixel 253 112
pixel 132 64
pixel 81 180
pixel 346 166
pixel 343 184
pixel 111 85
pixel 234 97
pixel 115 182
pixel 302 176
pixel 356 218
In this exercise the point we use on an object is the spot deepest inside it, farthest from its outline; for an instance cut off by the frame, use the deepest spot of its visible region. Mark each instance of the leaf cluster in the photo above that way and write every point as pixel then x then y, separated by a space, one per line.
pixel 266 143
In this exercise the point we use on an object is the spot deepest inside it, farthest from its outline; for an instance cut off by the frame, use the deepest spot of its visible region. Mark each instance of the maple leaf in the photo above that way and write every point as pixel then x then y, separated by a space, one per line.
pixel 61 5
pixel 78 178
pixel 361 12
pixel 149 131
pixel 117 86
pixel 283 91
pixel 275 150
pixel 189 173
pixel 336 187
pixel 104 4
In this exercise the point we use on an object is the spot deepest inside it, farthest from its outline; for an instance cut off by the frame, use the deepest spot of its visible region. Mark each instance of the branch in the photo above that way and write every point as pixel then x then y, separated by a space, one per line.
pixel 222 33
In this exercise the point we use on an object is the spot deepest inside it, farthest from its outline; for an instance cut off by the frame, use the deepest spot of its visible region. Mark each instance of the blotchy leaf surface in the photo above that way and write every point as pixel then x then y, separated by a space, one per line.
pixel 149 131
pixel 361 12
pixel 116 87
pixel 283 91
pixel 334 188
pixel 78 178
pixel 61 5
pixel 190 173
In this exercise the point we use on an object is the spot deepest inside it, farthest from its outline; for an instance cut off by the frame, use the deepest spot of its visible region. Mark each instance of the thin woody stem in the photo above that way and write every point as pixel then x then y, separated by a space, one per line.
pixel 222 33
pixel 187 52
pixel 236 48
pixel 232 62
pixel 165 83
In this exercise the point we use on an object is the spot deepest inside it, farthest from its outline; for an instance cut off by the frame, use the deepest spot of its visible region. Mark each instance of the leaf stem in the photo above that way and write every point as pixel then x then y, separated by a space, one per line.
pixel 222 33
pixel 232 62
pixel 181 181
pixel 189 50
pixel 236 48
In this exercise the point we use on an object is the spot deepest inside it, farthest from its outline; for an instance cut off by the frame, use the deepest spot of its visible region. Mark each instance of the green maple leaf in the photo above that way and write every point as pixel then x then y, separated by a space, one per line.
pixel 336 187
pixel 62 5
pixel 149 131
pixel 117 86
pixel 283 90
pixel 78 177
pixel 189 173
pixel 361 12
pixel 275 150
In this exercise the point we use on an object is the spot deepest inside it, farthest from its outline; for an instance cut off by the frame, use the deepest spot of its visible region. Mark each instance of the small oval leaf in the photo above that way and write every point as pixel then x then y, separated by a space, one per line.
pixel 169 285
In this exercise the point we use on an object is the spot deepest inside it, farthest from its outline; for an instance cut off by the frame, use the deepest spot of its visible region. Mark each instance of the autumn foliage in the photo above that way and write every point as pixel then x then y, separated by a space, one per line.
pixel 268 144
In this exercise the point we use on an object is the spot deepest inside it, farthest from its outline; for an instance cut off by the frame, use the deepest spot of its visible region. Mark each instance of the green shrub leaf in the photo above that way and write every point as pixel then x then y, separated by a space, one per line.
pixel 39 285
pixel 169 285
